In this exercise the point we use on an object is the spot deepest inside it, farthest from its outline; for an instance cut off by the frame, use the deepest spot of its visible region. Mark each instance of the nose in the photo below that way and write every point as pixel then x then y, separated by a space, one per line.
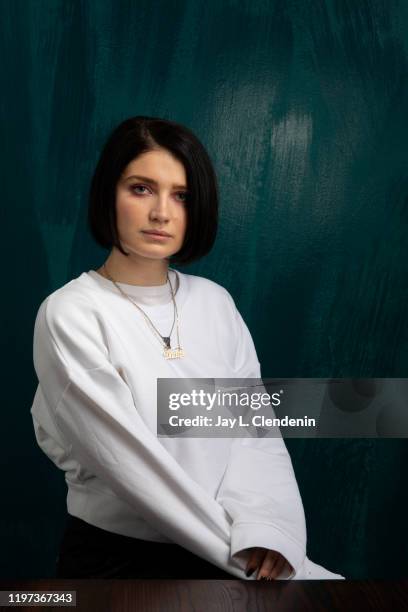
pixel 160 209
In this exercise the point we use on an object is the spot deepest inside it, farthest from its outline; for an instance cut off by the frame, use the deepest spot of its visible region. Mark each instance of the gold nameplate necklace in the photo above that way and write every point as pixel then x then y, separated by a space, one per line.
pixel 168 352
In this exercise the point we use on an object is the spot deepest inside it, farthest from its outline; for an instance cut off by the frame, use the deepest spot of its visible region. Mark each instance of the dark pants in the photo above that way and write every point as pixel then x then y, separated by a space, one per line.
pixel 90 552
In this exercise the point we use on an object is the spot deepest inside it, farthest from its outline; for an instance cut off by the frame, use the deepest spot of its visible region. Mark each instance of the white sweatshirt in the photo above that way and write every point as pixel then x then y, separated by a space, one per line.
pixel 94 414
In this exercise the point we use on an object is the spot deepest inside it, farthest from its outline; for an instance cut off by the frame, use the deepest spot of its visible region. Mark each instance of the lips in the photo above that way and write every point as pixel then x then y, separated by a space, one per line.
pixel 156 233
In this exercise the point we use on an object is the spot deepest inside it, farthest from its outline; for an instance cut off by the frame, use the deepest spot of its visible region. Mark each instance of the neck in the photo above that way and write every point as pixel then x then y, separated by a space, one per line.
pixel 135 270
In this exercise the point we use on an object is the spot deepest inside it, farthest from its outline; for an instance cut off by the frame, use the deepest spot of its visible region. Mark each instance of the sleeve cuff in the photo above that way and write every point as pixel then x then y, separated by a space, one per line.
pixel 247 535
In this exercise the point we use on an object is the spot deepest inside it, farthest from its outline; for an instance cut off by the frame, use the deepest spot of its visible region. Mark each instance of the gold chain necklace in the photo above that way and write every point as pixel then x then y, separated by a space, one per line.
pixel 168 352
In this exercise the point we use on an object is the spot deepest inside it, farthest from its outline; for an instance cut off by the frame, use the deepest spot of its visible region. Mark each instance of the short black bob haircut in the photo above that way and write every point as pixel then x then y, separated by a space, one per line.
pixel 130 139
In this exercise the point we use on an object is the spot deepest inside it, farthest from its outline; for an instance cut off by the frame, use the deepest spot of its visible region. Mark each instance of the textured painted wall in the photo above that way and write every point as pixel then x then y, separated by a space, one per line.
pixel 302 106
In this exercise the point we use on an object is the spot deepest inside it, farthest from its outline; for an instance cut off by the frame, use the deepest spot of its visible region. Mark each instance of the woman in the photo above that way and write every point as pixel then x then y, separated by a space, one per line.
pixel 139 507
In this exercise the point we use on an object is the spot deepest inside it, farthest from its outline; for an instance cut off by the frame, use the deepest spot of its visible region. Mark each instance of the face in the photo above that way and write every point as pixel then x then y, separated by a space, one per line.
pixel 151 202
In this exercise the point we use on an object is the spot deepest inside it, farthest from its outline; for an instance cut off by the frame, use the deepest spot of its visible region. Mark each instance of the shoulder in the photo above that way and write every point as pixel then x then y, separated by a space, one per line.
pixel 70 304
pixel 69 321
pixel 206 289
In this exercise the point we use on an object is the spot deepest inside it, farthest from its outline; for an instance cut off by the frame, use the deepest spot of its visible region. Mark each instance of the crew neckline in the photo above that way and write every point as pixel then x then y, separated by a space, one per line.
pixel 145 295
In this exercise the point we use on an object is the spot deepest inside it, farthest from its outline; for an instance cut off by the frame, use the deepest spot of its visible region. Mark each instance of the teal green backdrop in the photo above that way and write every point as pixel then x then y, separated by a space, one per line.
pixel 303 109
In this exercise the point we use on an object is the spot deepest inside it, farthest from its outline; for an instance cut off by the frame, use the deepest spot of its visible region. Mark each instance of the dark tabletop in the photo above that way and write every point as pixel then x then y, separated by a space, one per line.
pixel 222 595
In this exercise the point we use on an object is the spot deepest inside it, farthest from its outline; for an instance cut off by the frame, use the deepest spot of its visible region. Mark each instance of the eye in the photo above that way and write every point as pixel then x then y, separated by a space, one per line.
pixel 185 196
pixel 132 187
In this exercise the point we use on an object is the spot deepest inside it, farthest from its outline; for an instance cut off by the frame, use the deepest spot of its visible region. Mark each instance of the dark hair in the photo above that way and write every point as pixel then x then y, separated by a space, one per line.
pixel 130 139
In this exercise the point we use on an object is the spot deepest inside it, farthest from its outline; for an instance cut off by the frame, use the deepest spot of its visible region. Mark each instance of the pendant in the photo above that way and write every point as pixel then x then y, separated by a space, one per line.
pixel 175 353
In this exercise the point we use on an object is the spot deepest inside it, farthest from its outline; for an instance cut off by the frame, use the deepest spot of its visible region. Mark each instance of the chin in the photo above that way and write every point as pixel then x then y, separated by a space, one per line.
pixel 150 253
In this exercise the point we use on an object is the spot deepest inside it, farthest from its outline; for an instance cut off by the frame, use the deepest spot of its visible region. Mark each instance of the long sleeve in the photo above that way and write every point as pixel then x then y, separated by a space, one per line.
pixel 259 488
pixel 94 413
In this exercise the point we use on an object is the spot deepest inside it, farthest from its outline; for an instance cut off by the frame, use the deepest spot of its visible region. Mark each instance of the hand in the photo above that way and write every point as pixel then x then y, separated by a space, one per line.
pixel 270 563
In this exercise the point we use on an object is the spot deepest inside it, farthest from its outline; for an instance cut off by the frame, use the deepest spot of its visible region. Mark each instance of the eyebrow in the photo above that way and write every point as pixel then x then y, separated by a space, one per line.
pixel 146 179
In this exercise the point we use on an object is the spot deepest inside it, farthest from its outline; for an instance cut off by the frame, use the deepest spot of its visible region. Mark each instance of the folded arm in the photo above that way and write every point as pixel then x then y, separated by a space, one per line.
pixel 259 488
